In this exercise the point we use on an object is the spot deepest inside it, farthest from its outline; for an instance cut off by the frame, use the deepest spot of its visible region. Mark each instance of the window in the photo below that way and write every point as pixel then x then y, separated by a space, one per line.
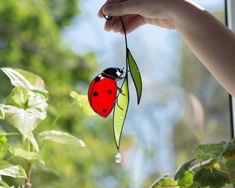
pixel 182 104
pixel 231 23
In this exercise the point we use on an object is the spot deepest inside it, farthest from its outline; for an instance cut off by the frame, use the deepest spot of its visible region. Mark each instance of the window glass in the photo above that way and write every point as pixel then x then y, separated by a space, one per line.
pixel 182 104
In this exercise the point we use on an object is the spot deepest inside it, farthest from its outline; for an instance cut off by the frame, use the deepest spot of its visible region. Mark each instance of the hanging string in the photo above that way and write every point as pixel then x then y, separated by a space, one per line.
pixel 108 18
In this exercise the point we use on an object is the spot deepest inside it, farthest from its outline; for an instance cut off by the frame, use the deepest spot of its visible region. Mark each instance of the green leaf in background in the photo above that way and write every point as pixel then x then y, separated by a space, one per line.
pixel 25 79
pixel 3 184
pixel 182 169
pixel 34 79
pixel 30 137
pixel 15 171
pixel 136 76
pixel 82 101
pixel 229 151
pixel 169 182
pixel 8 134
pixel 186 180
pixel 3 146
pixel 211 177
pixel 18 97
pixel 2 114
pixel 209 151
pixel 158 181
pixel 120 111
pixel 19 152
pixel 3 139
pixel 230 165
pixel 26 119
pixel 61 137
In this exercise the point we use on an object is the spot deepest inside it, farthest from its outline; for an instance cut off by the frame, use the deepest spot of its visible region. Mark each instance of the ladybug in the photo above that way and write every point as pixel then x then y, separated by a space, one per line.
pixel 103 91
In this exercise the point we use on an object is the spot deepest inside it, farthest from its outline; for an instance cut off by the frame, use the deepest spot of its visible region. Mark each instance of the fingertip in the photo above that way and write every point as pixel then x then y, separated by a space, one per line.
pixel 100 14
pixel 107 27
pixel 107 9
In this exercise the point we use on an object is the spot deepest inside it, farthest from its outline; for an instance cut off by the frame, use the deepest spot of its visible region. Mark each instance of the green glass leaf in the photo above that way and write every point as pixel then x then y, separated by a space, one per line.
pixel 25 79
pixel 18 97
pixel 182 169
pixel 136 76
pixel 82 101
pixel 211 177
pixel 61 137
pixel 15 171
pixel 209 151
pixel 120 111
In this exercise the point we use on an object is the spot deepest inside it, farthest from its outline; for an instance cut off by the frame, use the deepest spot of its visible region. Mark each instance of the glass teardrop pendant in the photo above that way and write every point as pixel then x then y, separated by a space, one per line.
pixel 118 158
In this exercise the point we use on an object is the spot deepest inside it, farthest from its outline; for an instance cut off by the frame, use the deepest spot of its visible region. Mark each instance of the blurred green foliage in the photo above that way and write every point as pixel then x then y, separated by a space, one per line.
pixel 30 39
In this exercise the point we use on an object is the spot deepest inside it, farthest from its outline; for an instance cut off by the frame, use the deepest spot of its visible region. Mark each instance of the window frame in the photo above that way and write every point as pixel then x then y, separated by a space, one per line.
pixel 230 15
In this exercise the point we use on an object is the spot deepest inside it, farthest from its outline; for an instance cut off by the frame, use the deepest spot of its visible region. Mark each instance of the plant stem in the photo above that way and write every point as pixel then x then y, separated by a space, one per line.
pixel 28 184
pixel 28 165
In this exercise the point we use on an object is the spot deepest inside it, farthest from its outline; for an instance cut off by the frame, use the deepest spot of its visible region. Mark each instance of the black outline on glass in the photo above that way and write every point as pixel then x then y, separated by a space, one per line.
pixel 138 97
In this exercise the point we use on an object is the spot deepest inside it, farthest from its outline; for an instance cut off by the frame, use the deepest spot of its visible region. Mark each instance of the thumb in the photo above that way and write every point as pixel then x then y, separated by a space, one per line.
pixel 120 8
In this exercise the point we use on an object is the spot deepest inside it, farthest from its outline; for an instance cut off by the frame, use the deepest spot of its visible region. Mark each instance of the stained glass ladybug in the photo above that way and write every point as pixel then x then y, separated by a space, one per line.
pixel 103 91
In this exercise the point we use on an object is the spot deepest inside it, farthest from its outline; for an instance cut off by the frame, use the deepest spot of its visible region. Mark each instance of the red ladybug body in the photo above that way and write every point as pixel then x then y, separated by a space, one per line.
pixel 103 91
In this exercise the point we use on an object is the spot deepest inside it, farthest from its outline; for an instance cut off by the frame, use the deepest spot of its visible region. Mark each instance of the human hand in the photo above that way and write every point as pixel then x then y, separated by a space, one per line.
pixel 135 13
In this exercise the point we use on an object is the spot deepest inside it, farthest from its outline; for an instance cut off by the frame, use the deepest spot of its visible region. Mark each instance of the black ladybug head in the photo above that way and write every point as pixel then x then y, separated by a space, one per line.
pixel 113 72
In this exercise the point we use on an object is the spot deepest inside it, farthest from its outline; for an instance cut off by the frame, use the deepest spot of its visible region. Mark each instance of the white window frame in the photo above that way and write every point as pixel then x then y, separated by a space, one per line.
pixel 231 25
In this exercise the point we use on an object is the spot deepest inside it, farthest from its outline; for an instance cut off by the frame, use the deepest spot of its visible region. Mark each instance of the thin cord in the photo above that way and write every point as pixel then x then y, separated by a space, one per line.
pixel 126 45
pixel 108 18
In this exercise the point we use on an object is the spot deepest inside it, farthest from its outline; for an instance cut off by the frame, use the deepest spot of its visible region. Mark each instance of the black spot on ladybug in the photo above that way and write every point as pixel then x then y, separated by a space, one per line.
pixel 104 110
pixel 109 91
pixel 95 94
pixel 97 79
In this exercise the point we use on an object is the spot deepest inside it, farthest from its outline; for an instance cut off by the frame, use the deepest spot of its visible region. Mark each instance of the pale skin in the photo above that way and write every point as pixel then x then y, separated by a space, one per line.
pixel 211 41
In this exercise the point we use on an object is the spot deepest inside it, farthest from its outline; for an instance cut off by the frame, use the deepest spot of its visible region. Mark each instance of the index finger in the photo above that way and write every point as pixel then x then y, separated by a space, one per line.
pixel 100 13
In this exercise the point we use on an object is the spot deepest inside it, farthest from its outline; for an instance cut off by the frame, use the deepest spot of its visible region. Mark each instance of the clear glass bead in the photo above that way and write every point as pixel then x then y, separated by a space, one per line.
pixel 118 158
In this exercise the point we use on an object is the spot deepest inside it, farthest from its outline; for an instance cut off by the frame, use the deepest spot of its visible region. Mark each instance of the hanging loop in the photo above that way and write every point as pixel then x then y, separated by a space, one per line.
pixel 107 17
